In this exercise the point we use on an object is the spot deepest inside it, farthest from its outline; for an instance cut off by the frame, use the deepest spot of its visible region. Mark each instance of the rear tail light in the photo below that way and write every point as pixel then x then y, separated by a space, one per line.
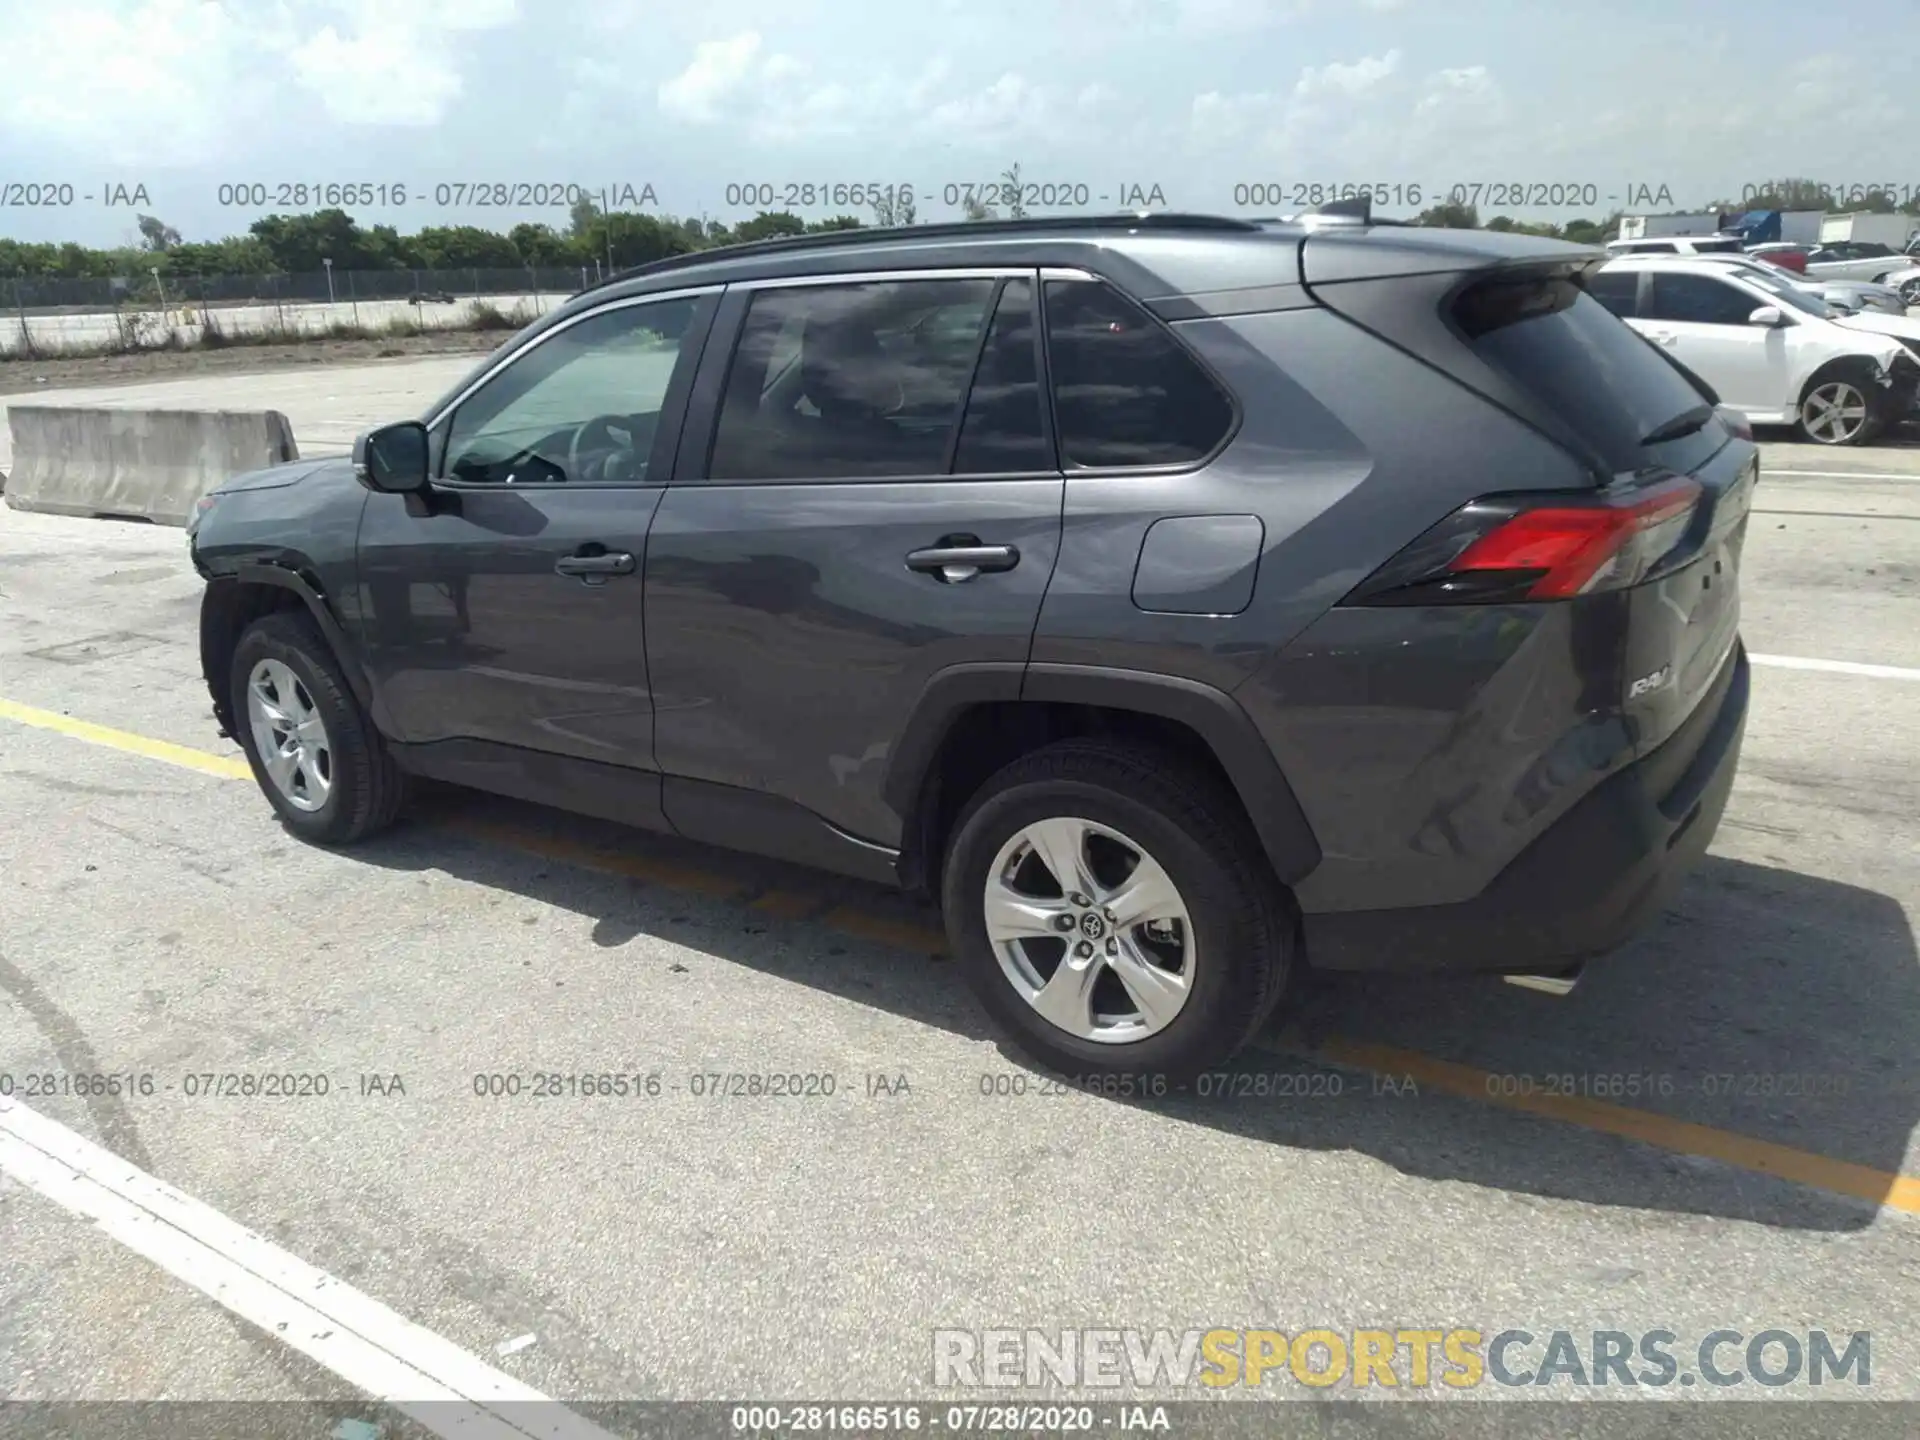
pixel 1507 550
pixel 1734 421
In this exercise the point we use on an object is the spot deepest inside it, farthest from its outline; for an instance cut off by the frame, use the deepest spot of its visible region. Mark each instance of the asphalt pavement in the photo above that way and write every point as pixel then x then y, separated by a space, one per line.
pixel 1715 1131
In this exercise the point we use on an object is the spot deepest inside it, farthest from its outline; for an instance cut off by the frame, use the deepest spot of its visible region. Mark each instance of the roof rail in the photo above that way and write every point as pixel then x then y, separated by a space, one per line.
pixel 946 229
pixel 1355 211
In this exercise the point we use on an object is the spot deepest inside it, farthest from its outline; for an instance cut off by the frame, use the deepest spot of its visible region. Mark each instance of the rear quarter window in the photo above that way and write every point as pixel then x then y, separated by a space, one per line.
pixel 1553 339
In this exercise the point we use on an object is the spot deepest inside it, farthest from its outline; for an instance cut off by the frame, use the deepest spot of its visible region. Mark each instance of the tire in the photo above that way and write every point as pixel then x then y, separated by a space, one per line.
pixel 1216 984
pixel 1849 386
pixel 352 787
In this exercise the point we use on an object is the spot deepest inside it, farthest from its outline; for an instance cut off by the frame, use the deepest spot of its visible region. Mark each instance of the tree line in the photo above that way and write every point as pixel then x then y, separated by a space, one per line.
pixel 596 239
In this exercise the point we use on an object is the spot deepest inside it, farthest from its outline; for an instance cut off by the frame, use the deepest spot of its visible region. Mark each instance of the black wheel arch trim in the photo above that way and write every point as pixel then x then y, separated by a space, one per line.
pixel 1213 714
pixel 287 578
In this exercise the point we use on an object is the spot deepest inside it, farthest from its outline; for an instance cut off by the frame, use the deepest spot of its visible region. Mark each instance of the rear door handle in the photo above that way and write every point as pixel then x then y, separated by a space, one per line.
pixel 594 568
pixel 961 557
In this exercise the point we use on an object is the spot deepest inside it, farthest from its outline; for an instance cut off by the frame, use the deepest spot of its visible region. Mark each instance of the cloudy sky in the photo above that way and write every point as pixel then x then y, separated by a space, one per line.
pixel 1195 97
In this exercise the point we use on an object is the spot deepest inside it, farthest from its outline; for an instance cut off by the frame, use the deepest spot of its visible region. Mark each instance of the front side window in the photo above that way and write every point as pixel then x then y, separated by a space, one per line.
pixel 1699 300
pixel 851 381
pixel 581 406
pixel 1125 392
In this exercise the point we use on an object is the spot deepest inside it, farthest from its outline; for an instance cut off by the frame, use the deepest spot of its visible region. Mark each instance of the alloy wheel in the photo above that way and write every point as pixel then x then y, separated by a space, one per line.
pixel 289 735
pixel 1090 930
pixel 1834 413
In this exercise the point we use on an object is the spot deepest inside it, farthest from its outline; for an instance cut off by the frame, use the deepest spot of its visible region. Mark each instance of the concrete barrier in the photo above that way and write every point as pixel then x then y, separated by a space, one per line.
pixel 136 464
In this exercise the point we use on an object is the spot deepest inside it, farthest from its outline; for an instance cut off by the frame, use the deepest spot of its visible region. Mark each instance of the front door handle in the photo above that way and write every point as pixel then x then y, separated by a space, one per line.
pixel 595 567
pixel 961 557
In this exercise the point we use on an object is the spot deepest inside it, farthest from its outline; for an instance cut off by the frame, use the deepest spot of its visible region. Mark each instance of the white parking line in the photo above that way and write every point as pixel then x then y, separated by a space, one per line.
pixel 1837 667
pixel 395 1361
pixel 1769 471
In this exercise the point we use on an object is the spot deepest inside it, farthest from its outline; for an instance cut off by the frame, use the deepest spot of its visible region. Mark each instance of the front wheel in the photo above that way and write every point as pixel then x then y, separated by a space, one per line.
pixel 1841 410
pixel 1112 909
pixel 314 752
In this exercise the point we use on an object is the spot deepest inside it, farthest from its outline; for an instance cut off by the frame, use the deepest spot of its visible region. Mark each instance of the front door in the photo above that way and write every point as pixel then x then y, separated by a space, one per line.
pixel 1701 320
pixel 879 501
pixel 509 609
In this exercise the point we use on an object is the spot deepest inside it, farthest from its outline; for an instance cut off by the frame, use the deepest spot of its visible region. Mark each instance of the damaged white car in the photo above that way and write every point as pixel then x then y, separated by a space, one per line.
pixel 1774 352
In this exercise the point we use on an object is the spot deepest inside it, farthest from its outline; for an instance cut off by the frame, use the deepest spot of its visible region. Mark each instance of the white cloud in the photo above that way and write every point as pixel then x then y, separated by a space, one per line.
pixel 720 71
pixel 153 83
pixel 371 80
pixel 395 65
pixel 1346 81
pixel 177 82
pixel 779 98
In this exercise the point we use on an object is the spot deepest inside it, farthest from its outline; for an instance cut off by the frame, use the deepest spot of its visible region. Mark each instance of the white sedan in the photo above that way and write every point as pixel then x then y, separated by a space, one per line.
pixel 1774 352
pixel 1854 260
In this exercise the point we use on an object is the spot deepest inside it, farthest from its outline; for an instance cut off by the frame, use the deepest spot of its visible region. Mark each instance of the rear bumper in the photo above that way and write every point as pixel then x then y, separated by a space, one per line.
pixel 1585 885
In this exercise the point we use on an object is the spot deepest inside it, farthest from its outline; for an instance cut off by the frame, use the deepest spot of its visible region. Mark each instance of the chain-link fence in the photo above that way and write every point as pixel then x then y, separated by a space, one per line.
pixel 41 318
pixel 28 294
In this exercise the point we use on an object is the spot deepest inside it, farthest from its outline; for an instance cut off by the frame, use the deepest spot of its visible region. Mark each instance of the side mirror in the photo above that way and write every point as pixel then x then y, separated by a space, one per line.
pixel 1769 316
pixel 392 459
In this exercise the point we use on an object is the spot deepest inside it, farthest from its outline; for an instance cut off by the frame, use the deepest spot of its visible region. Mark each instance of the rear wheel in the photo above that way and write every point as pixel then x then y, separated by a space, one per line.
pixel 1910 291
pixel 1842 408
pixel 315 754
pixel 1112 910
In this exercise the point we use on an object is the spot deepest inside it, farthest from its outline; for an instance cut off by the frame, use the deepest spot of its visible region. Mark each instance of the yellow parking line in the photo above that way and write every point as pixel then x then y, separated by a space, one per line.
pixel 1842 1177
pixel 228 767
pixel 1882 1187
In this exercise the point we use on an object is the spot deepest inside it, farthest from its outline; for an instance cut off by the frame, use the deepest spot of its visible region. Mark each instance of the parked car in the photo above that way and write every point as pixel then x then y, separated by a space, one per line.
pixel 1854 260
pixel 1679 245
pixel 1784 253
pixel 1905 281
pixel 1179 599
pixel 1772 351
pixel 1848 297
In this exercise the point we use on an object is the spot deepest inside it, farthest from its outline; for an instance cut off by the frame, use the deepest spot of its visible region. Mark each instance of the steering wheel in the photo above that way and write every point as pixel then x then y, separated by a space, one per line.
pixel 602 428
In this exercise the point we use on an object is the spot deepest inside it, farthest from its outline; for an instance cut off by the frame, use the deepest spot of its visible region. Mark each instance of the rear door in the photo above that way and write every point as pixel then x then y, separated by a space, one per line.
pixel 866 495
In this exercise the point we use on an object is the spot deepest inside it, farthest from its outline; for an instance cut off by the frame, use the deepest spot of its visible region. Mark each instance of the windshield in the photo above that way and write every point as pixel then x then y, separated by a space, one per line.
pixel 1798 296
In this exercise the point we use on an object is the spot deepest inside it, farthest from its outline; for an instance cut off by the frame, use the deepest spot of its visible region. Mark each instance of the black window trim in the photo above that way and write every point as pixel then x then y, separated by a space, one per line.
pixel 701 425
pixel 673 403
pixel 992 313
pixel 1172 330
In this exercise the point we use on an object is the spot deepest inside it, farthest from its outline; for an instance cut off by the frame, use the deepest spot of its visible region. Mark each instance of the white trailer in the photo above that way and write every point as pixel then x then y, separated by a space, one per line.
pixel 1892 231
pixel 1802 227
pixel 1650 227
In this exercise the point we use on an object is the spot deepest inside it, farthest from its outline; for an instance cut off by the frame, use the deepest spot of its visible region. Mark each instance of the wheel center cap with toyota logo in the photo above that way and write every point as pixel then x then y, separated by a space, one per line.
pixel 1092 926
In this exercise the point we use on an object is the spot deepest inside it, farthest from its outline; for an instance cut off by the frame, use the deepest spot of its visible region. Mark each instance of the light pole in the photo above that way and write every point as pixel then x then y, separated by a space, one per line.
pixel 154 270
pixel 327 261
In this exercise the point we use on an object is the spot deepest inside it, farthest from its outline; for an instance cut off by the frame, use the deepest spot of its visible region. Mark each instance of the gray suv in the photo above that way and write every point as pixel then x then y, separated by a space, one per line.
pixel 1176 599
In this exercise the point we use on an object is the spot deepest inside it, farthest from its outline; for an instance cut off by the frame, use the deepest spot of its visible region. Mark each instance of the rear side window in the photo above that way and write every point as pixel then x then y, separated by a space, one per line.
pixel 850 381
pixel 1610 387
pixel 1125 392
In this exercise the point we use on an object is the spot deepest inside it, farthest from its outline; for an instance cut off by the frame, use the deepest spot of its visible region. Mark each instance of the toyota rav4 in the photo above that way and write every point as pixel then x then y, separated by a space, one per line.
pixel 1176 600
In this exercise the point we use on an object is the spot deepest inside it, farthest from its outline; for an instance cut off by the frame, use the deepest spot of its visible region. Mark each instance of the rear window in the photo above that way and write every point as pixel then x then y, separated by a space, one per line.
pixel 1610 387
pixel 1729 246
